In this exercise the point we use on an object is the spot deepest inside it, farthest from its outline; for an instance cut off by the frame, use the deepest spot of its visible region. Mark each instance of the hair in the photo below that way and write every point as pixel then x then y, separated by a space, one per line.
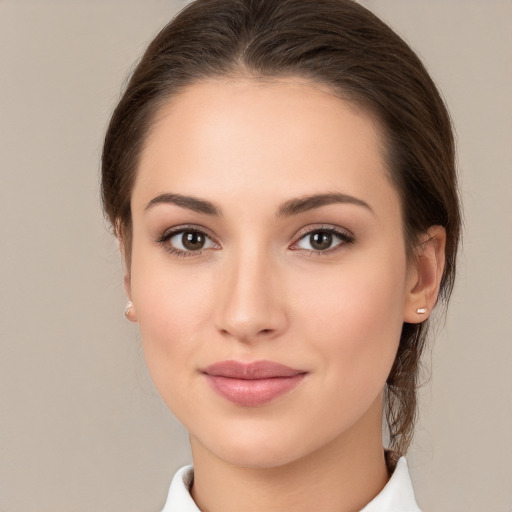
pixel 336 43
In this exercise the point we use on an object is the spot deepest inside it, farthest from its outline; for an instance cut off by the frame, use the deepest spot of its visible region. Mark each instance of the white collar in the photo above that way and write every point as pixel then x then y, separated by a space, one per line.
pixel 397 495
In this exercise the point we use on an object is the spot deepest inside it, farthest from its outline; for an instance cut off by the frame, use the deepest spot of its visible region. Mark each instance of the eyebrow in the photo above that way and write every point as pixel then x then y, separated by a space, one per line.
pixel 287 209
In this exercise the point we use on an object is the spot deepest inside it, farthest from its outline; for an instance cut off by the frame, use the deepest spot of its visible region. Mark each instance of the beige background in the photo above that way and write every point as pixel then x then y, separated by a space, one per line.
pixel 81 427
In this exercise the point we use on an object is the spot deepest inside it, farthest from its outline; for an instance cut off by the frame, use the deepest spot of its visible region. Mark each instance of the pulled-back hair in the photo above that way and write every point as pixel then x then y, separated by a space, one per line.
pixel 337 43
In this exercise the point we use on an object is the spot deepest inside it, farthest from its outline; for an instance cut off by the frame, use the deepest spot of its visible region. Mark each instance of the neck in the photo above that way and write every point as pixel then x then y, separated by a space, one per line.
pixel 342 476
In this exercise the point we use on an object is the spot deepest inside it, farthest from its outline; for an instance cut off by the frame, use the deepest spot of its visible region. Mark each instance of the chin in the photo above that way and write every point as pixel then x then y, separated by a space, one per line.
pixel 257 448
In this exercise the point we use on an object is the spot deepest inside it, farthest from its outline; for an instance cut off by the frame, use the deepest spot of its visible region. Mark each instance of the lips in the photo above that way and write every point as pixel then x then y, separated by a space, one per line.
pixel 252 384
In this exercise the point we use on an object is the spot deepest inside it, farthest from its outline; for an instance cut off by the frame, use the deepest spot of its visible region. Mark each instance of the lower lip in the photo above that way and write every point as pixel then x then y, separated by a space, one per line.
pixel 255 392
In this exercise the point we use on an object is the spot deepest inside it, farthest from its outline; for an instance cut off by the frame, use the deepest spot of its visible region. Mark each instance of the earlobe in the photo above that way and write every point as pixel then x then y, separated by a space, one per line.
pixel 129 312
pixel 425 275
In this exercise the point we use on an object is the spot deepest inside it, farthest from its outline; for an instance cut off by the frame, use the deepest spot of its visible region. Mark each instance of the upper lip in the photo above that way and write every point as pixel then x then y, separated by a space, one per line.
pixel 250 371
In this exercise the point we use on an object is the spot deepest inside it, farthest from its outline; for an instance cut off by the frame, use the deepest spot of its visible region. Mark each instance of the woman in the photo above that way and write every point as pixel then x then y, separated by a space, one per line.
pixel 280 175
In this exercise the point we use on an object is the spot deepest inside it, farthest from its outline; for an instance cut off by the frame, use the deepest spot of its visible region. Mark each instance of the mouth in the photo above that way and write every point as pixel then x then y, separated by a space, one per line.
pixel 252 384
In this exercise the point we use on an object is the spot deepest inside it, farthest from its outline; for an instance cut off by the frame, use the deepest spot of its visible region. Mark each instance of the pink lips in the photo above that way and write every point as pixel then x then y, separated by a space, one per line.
pixel 252 384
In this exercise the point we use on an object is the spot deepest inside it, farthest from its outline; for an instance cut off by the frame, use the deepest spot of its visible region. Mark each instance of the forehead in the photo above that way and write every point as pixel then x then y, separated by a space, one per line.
pixel 261 138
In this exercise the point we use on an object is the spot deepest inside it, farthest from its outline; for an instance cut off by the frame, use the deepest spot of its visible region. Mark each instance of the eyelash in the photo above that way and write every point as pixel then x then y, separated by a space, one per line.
pixel 345 237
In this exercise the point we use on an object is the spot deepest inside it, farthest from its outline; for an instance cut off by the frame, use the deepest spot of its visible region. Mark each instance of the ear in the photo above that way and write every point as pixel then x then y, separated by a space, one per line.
pixel 129 311
pixel 424 275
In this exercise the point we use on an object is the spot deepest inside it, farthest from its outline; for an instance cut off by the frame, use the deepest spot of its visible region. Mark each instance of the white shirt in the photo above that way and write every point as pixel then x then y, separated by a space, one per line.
pixel 397 495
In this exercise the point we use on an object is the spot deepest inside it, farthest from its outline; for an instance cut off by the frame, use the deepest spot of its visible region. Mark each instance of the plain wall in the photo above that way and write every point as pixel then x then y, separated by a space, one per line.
pixel 81 426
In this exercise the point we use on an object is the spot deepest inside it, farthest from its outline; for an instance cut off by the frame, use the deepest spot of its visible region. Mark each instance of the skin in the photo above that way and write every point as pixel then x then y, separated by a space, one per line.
pixel 258 290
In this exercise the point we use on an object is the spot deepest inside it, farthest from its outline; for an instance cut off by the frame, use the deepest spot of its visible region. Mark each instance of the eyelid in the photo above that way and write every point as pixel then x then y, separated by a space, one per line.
pixel 324 227
pixel 186 227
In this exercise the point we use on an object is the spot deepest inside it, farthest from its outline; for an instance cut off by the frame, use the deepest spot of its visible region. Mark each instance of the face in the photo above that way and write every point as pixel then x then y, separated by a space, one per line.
pixel 268 273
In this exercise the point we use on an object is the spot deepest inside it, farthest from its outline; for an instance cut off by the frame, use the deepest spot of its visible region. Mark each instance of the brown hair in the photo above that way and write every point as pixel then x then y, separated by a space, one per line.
pixel 337 43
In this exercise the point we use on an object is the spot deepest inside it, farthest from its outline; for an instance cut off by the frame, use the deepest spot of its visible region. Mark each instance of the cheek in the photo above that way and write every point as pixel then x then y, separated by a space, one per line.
pixel 174 313
pixel 167 294
pixel 170 307
pixel 354 316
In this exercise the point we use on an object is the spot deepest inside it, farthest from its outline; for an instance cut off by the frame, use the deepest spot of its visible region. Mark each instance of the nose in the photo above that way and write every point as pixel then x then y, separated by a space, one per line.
pixel 251 303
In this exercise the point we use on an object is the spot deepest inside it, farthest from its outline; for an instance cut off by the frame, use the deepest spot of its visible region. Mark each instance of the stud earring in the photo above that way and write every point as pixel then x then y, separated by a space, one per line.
pixel 129 311
pixel 421 311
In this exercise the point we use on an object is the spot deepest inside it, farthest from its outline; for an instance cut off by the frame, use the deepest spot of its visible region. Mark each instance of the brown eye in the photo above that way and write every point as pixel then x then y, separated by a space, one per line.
pixel 185 242
pixel 193 240
pixel 320 240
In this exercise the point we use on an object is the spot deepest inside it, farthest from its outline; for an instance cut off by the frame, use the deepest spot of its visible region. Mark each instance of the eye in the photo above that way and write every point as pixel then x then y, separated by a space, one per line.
pixel 323 240
pixel 186 241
